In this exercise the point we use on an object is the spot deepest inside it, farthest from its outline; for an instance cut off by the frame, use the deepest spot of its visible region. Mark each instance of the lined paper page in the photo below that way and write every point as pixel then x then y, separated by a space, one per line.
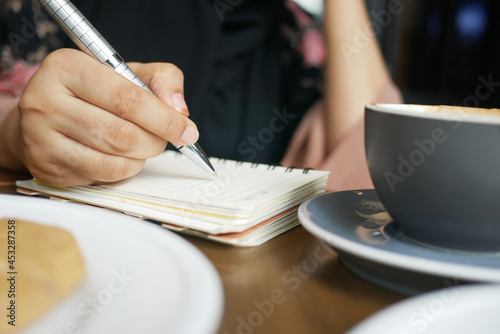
pixel 172 179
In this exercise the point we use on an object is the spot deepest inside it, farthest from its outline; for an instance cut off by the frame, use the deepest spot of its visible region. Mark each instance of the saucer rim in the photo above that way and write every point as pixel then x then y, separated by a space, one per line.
pixel 390 257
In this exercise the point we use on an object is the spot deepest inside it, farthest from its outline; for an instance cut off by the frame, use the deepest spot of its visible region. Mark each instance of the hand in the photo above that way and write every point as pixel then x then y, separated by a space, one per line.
pixel 82 123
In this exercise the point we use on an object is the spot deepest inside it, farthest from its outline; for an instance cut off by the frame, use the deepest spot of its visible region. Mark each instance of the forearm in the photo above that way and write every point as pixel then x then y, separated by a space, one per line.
pixel 10 151
pixel 7 104
pixel 355 71
pixel 13 80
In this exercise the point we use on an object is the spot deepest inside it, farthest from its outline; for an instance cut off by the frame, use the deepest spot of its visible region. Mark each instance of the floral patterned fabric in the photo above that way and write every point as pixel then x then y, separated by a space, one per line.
pixel 260 59
pixel 20 57
pixel 14 79
pixel 24 43
pixel 305 36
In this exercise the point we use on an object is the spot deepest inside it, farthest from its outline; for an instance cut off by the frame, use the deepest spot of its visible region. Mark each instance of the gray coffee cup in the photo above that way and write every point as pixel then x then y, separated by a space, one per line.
pixel 436 169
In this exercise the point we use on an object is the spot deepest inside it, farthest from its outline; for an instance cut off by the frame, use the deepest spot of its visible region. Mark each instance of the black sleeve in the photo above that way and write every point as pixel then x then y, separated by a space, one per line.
pixel 26 32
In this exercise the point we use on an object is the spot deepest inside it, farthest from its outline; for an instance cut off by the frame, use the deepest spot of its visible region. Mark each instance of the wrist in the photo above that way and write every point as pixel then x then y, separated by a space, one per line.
pixel 10 143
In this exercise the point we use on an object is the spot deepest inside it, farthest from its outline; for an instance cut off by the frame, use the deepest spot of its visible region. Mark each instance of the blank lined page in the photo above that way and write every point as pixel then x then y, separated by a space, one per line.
pixel 173 178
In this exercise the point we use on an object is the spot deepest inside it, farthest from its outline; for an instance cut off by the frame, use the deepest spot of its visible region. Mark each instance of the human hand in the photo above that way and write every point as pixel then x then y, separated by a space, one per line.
pixel 82 123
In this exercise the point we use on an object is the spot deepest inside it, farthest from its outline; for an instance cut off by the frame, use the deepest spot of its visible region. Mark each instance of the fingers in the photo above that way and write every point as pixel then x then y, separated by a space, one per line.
pixel 71 163
pixel 112 92
pixel 166 81
pixel 58 160
pixel 105 132
pixel 82 123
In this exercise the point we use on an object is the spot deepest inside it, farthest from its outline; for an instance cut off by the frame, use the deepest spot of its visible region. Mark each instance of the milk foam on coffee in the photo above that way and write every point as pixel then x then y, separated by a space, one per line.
pixel 453 112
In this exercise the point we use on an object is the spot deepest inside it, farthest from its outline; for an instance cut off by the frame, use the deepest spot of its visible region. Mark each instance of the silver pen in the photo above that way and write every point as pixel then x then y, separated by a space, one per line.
pixel 89 40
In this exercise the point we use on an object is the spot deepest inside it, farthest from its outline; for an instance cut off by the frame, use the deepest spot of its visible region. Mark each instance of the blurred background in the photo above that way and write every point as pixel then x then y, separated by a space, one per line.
pixel 439 51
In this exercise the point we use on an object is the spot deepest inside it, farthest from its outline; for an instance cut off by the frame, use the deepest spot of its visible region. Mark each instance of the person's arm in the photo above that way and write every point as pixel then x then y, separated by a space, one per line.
pixel 13 80
pixel 7 104
pixel 10 158
pixel 78 122
pixel 355 71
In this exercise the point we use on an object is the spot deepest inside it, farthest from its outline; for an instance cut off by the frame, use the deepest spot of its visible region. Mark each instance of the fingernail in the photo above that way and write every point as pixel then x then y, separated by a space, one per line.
pixel 180 104
pixel 189 136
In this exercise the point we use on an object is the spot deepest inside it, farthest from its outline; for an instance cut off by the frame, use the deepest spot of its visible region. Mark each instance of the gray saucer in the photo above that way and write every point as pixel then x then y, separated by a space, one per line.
pixel 369 243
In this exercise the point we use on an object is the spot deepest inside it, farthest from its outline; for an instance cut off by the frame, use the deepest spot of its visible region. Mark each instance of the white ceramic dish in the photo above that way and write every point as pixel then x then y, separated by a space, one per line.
pixel 357 226
pixel 140 278
pixel 459 310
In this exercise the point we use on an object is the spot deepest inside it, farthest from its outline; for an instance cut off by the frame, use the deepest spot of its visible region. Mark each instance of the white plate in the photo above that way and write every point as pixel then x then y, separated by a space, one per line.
pixel 166 285
pixel 356 225
pixel 459 310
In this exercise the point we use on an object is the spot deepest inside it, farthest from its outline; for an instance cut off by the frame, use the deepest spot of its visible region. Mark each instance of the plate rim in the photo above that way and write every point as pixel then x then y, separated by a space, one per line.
pixel 211 320
pixel 400 310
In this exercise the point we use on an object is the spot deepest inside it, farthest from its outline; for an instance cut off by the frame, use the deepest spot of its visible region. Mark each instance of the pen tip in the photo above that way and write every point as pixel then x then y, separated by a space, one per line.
pixel 214 173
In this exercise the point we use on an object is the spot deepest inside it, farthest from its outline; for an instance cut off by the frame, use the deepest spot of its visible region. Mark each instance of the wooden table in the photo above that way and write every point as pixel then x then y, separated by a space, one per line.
pixel 291 284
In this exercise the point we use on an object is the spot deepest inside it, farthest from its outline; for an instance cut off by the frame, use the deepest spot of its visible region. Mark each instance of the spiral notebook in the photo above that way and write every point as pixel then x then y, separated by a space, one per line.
pixel 246 204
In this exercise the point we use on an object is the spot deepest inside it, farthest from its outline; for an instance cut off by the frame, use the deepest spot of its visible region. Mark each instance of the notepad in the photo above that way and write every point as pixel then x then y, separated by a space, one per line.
pixel 246 204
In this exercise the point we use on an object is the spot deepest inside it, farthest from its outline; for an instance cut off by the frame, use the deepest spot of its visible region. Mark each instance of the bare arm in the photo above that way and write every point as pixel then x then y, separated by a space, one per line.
pixel 355 71
pixel 10 158
pixel 13 81
pixel 7 104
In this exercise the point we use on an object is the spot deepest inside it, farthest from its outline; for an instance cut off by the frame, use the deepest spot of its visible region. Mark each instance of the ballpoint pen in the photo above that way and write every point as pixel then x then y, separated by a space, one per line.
pixel 89 40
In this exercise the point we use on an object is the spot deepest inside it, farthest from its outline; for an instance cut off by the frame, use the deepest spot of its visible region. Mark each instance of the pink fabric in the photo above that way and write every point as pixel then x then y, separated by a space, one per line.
pixel 308 39
pixel 12 83
pixel 313 48
pixel 347 162
pixel 13 80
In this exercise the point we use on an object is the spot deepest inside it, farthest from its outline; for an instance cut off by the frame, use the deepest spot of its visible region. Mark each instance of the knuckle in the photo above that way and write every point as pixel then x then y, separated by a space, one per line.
pixel 25 104
pixel 30 146
pixel 27 148
pixel 158 149
pixel 161 78
pixel 169 67
pixel 156 82
pixel 173 70
pixel 127 100
pixel 115 169
pixel 57 60
pixel 52 59
pixel 56 179
pixel 123 138
pixel 48 173
pixel 30 101
pixel 168 127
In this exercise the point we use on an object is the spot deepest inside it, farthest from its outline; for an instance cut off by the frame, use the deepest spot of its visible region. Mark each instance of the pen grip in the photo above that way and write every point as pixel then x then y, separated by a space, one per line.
pixel 87 38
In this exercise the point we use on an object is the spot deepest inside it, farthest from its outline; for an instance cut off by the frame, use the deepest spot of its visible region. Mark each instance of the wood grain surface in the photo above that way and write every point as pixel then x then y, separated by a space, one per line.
pixel 294 283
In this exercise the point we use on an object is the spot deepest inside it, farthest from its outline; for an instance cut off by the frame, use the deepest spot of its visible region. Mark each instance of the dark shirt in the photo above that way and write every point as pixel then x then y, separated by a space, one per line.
pixel 244 81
